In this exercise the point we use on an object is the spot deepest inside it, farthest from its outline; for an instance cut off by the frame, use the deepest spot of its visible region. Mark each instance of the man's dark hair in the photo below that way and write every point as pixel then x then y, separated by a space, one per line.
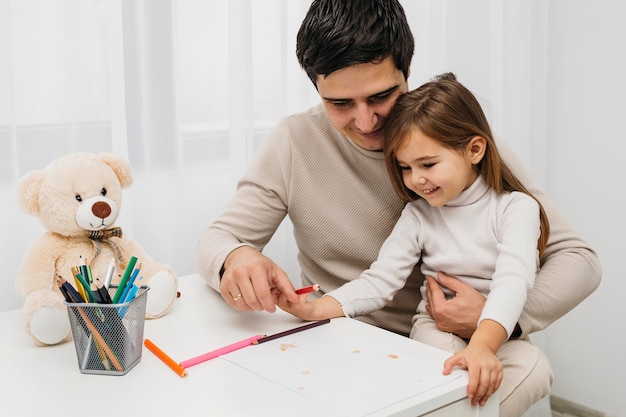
pixel 336 34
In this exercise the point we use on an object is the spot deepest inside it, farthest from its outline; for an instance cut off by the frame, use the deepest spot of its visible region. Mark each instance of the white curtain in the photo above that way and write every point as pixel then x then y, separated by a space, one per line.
pixel 186 89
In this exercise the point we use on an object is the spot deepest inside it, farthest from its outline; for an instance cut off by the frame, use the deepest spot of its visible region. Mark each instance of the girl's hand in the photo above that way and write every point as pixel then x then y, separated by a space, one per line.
pixel 484 369
pixel 322 308
pixel 301 308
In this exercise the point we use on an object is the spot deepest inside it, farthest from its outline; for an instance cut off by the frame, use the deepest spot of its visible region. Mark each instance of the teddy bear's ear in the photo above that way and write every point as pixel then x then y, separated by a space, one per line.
pixel 122 168
pixel 28 189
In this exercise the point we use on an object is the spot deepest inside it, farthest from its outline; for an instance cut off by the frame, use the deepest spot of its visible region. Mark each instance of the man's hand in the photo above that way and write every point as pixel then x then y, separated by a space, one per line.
pixel 249 278
pixel 458 315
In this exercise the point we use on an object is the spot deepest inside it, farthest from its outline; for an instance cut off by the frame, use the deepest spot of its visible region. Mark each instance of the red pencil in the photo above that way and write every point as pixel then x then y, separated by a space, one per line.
pixel 310 288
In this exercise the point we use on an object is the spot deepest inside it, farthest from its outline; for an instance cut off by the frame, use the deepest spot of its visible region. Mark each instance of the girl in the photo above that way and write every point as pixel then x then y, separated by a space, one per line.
pixel 467 215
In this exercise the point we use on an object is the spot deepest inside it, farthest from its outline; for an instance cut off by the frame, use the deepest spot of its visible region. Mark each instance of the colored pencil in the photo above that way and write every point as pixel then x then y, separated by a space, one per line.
pixel 69 292
pixel 310 288
pixel 72 296
pixel 104 294
pixel 132 293
pixel 79 286
pixel 129 284
pixel 85 270
pixel 99 340
pixel 292 331
pixel 89 276
pixel 109 274
pixel 87 287
pixel 221 351
pixel 120 288
pixel 103 358
pixel 180 371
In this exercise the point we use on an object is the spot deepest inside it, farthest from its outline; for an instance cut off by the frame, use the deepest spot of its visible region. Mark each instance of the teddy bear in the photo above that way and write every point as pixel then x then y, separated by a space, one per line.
pixel 77 198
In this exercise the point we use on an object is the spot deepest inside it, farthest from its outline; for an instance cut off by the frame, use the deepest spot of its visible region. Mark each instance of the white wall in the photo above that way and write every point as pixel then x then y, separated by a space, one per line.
pixel 586 174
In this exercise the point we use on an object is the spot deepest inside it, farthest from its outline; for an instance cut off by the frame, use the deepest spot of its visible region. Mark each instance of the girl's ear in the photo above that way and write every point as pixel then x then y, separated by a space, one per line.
pixel 476 149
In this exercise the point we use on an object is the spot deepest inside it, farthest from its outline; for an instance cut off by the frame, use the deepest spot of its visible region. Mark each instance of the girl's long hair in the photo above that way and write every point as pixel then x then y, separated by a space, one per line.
pixel 446 111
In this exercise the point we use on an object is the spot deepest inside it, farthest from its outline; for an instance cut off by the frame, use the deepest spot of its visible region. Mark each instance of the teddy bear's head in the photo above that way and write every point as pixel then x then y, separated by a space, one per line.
pixel 77 193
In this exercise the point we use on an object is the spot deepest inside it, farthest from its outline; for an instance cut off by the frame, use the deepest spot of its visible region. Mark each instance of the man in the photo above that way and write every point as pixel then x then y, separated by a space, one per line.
pixel 325 169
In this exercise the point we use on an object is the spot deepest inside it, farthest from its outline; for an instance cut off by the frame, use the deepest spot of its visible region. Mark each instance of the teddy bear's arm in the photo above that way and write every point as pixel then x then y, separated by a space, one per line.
pixel 38 266
pixel 160 277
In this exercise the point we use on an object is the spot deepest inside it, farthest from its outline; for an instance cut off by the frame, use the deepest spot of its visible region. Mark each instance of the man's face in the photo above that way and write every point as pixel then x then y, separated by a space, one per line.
pixel 358 99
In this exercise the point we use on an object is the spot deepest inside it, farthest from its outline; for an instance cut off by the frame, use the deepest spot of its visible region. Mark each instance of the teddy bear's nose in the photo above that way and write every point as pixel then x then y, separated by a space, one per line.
pixel 101 209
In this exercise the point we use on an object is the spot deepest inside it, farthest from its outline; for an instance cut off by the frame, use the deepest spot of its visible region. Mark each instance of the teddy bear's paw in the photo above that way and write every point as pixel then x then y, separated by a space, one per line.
pixel 163 288
pixel 50 326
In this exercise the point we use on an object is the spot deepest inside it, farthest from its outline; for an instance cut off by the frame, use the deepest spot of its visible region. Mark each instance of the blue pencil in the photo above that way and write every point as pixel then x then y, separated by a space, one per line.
pixel 135 290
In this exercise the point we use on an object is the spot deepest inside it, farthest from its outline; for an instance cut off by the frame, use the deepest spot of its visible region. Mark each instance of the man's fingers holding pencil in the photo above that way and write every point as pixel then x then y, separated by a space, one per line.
pixel 308 289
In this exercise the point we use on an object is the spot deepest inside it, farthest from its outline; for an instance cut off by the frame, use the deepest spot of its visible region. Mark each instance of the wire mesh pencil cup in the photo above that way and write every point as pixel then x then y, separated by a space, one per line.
pixel 108 337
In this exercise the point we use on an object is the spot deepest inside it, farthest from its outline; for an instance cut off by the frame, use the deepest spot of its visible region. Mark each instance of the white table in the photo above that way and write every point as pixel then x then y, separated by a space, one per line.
pixel 47 381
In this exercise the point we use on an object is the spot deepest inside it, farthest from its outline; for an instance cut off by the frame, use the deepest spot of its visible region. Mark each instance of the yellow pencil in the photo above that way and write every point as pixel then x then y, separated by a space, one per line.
pixel 79 286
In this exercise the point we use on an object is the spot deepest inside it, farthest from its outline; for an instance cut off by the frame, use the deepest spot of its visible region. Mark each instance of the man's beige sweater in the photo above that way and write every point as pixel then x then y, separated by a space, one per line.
pixel 343 206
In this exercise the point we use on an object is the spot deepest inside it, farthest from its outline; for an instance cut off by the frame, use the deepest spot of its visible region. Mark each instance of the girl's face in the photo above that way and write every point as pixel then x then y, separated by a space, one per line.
pixel 435 172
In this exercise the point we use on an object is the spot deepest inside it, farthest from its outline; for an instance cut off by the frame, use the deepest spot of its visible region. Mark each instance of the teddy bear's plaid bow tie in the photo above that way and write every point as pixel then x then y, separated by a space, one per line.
pixel 106 233
pixel 98 236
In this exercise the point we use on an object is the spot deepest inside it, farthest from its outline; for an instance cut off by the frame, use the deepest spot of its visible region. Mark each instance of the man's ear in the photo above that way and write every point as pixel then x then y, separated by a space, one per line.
pixel 476 148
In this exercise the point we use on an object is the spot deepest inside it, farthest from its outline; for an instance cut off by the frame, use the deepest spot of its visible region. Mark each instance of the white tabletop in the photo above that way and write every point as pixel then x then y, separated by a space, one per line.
pixel 47 380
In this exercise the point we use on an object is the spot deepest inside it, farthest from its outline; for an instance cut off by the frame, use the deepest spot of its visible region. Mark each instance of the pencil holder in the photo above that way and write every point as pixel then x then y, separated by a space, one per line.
pixel 108 337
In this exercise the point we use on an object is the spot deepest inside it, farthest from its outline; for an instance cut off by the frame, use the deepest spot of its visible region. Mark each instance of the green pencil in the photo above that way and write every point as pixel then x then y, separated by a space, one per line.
pixel 120 288
pixel 90 297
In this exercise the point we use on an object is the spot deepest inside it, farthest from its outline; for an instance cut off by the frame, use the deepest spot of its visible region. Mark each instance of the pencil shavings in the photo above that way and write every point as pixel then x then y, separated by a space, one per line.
pixel 285 346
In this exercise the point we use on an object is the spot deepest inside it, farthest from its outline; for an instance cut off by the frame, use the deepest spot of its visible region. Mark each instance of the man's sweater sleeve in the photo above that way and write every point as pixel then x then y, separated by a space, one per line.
pixel 255 212
pixel 570 268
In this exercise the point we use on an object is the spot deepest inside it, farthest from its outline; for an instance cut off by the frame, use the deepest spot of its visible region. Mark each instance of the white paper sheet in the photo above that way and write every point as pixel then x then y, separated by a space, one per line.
pixel 355 370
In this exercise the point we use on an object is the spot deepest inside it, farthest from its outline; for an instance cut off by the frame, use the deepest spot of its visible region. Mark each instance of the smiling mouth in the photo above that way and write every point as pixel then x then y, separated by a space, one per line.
pixel 98 226
pixel 372 134
pixel 430 190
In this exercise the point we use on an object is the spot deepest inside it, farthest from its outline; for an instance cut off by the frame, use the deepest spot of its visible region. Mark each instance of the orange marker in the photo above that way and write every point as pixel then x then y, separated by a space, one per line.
pixel 180 371
pixel 310 288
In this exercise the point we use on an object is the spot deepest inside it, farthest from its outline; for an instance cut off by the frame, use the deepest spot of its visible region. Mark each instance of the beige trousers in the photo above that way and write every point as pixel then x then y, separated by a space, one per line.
pixel 527 372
